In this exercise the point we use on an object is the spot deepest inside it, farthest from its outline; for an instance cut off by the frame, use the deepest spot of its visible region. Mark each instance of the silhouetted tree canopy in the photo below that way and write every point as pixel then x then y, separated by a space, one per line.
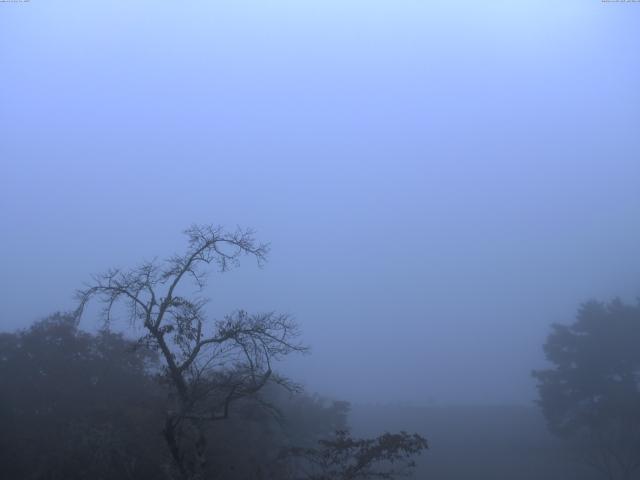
pixel 591 395
pixel 75 405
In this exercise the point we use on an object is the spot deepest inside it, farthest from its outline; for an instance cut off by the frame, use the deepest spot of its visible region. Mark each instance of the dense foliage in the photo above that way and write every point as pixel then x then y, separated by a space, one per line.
pixel 591 395
pixel 76 406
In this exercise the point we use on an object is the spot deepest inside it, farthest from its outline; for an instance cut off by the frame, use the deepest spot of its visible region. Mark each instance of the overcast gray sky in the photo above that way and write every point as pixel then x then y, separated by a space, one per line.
pixel 439 180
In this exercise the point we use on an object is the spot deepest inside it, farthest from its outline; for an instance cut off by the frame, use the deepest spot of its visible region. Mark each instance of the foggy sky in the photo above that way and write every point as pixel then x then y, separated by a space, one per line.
pixel 439 181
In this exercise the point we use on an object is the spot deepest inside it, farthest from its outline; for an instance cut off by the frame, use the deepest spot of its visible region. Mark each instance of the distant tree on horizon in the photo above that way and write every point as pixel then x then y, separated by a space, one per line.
pixel 591 395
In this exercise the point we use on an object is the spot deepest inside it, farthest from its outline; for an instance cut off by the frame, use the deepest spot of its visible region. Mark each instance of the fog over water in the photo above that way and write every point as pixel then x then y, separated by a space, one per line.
pixel 439 181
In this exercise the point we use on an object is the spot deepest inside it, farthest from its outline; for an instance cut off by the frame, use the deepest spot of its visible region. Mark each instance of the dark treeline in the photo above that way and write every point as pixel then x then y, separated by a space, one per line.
pixel 76 405
pixel 192 398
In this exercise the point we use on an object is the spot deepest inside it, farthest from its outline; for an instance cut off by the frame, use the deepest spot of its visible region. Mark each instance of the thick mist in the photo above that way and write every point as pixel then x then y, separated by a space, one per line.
pixel 439 181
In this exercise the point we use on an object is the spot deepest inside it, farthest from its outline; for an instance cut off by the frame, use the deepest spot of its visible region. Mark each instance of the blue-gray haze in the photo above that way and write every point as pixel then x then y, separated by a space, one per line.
pixel 439 181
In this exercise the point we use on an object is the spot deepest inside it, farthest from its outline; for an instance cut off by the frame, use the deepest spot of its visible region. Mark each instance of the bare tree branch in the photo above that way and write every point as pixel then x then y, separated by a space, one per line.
pixel 211 364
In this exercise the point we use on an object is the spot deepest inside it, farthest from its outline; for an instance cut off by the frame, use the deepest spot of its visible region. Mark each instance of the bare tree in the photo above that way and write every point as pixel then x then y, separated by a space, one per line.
pixel 208 364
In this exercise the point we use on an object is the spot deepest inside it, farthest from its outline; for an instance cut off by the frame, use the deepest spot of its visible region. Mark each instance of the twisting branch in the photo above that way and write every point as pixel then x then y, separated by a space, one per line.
pixel 210 364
